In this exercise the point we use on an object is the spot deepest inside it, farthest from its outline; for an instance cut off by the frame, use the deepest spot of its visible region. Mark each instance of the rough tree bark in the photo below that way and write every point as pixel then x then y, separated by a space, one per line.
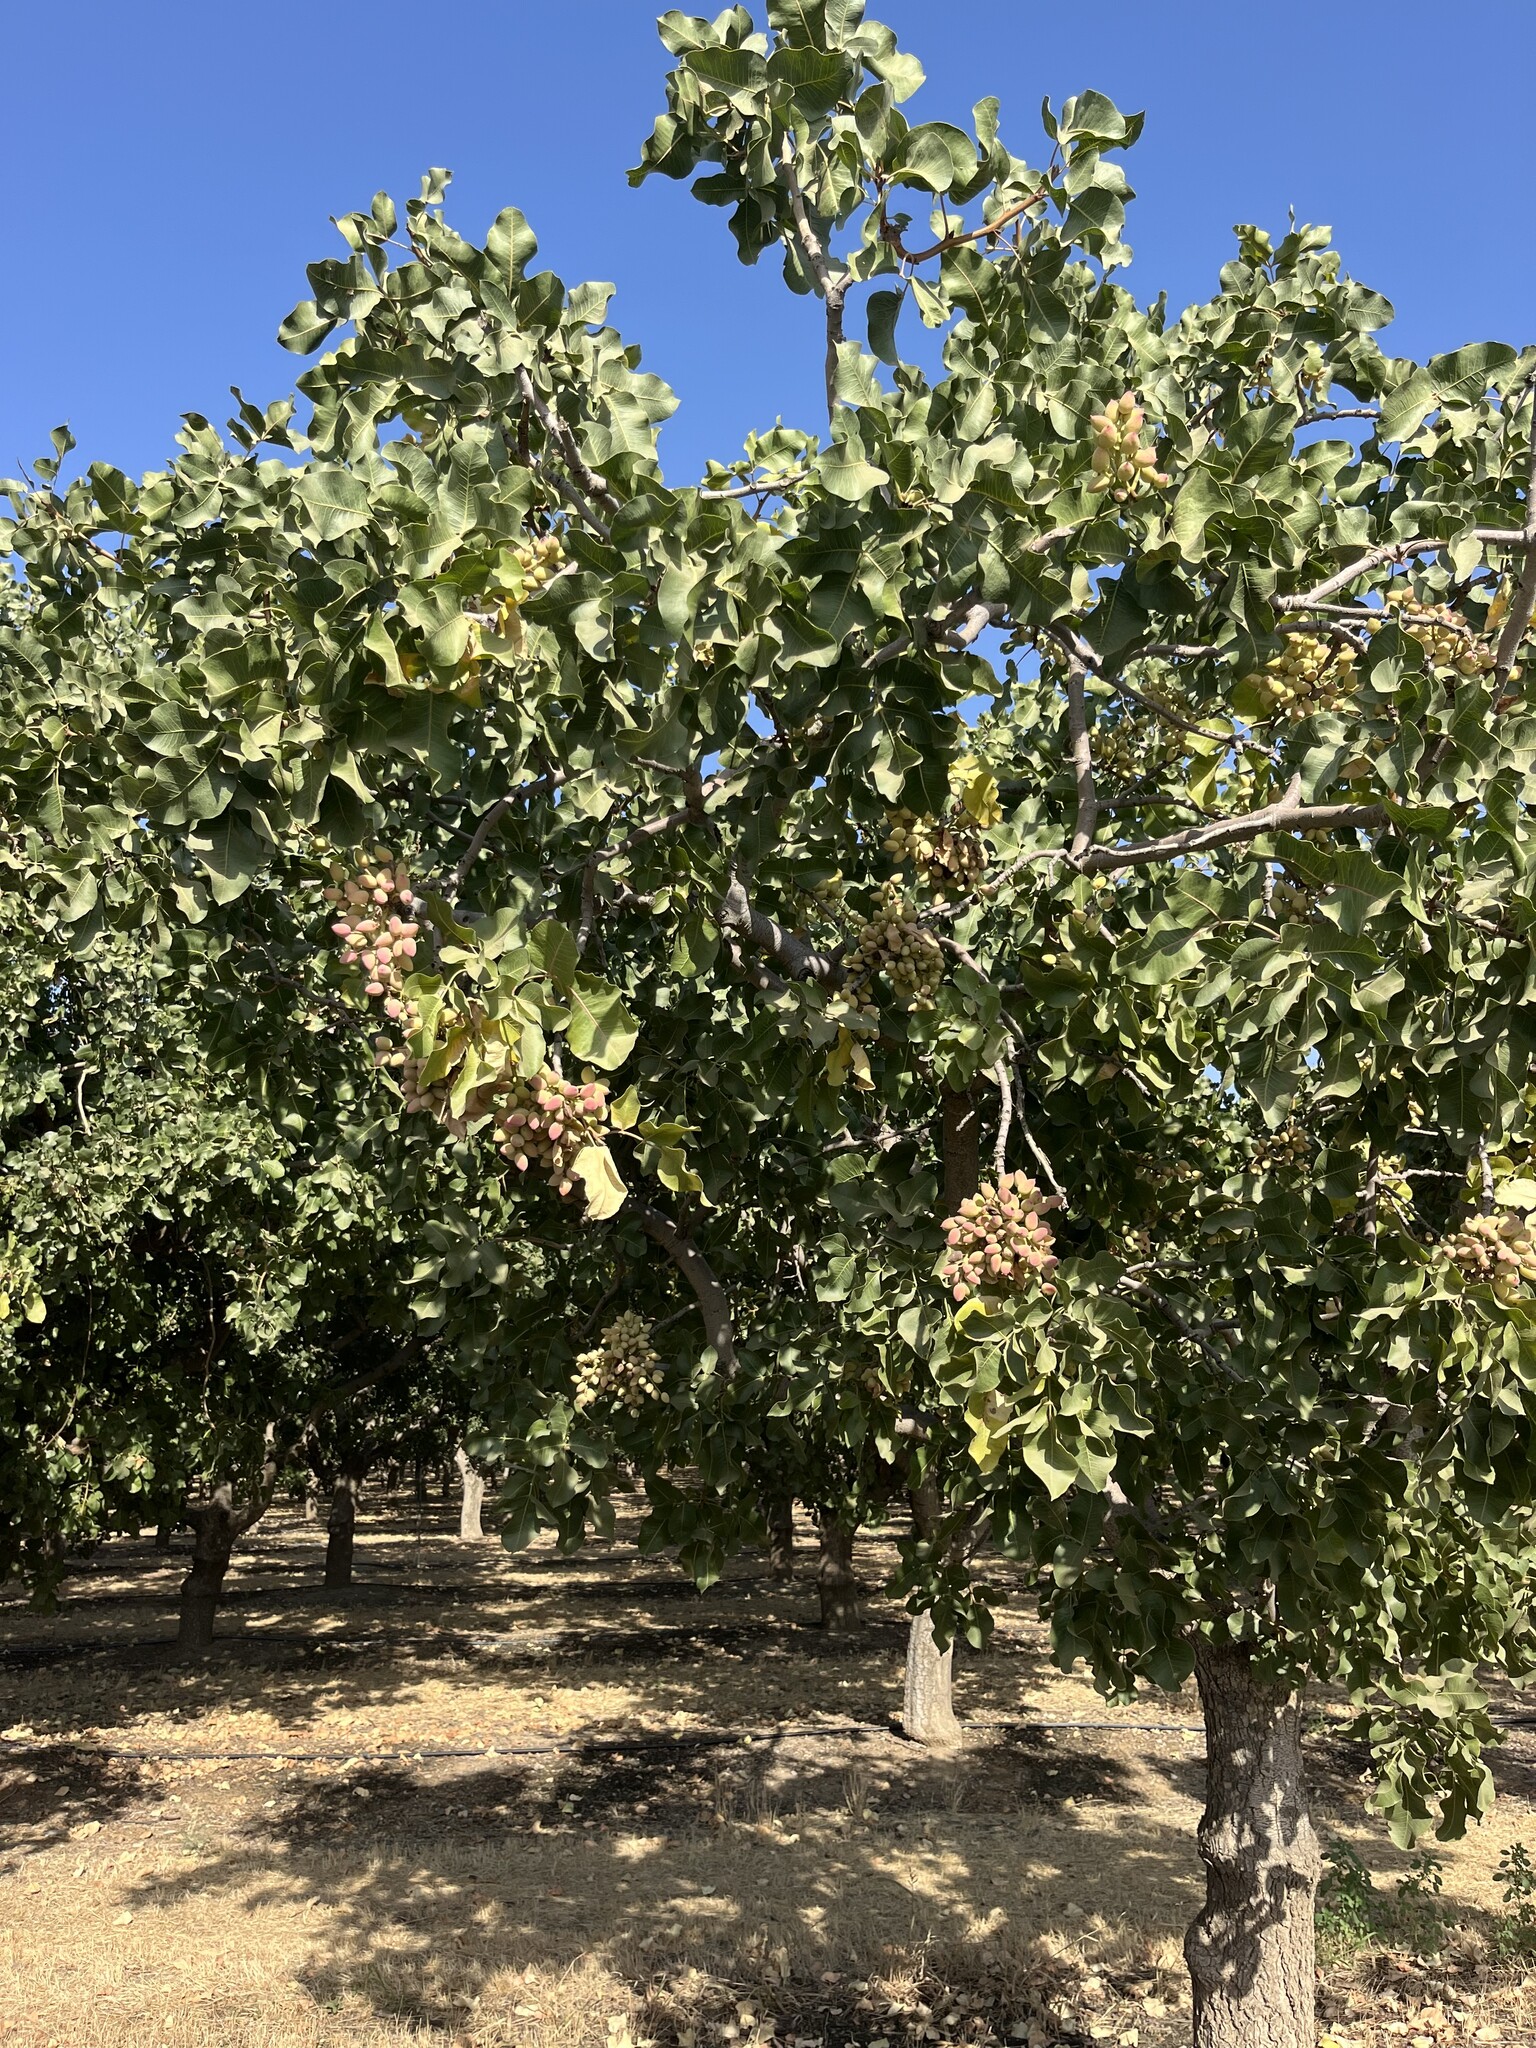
pixel 928 1707
pixel 1252 1951
pixel 215 1523
pixel 471 1499
pixel 341 1528
pixel 837 1587
pixel 779 1514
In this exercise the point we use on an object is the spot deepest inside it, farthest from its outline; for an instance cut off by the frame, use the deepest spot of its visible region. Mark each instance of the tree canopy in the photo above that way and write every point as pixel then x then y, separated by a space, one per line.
pixel 1012 907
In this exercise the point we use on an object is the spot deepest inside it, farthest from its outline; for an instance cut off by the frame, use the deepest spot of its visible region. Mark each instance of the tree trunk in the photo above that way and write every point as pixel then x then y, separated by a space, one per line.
pixel 928 1707
pixel 962 1147
pixel 471 1499
pixel 779 1514
pixel 341 1530
pixel 1252 1951
pixel 420 1486
pixel 836 1585
pixel 214 1531
pixel 163 1535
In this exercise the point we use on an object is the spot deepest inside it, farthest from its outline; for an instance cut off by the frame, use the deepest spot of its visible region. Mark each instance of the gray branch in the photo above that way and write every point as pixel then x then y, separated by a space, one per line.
pixel 700 1275
pixel 764 935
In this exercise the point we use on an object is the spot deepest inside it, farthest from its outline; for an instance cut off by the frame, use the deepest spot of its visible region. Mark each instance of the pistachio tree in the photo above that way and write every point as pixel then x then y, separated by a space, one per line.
pixel 996 922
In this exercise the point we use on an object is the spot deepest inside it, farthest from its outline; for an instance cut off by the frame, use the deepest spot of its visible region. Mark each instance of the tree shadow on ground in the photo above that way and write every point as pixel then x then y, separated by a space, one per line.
pixel 827 1887
pixel 50 1795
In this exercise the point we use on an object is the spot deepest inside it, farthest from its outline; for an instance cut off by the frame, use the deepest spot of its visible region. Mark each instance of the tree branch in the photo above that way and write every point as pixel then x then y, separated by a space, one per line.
pixel 494 815
pixel 833 285
pixel 767 487
pixel 1288 815
pixel 565 444
pixel 764 935
pixel 1082 761
pixel 1004 1120
pixel 1523 601
pixel 700 1275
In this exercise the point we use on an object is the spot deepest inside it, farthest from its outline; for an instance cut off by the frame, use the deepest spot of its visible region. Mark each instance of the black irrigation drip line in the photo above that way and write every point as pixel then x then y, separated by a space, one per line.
pixel 618 1747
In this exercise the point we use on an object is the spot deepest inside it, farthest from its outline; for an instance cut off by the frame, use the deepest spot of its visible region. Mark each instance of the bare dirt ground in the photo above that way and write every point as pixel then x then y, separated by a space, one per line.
pixel 488 1799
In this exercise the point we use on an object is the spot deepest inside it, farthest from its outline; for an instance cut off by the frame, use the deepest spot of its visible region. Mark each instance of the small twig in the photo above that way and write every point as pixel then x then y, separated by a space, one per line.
pixel 1082 761
pixel 1185 1328
pixel 565 442
pixel 1035 1150
pixel 494 815
pixel 1523 602
pixel 766 487
pixel 959 237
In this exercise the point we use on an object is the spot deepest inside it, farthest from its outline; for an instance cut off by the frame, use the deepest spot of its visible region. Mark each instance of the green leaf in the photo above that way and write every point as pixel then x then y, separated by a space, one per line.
pixel 511 245
pixel 336 500
pixel 553 950
pixel 601 1028
pixel 847 475
pixel 935 155
pixel 884 309
pixel 305 329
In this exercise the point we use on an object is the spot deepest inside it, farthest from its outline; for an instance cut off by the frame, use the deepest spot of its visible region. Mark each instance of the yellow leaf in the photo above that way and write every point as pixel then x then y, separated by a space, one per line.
pixel 846 1058
pixel 987 1416
pixel 600 1177
pixel 980 797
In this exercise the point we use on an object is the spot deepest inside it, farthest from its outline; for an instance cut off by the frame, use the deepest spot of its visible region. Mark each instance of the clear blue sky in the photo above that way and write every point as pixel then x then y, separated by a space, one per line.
pixel 172 167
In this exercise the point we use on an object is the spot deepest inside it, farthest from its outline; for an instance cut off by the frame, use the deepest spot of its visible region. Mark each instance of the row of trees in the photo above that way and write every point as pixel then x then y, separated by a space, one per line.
pixel 974 961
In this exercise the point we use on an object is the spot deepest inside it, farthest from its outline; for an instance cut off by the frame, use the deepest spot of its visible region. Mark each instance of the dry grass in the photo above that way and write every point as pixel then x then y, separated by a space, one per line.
pixel 810 1888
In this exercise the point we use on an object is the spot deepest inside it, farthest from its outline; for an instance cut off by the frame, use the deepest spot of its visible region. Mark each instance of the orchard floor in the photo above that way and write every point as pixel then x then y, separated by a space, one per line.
pixel 489 1799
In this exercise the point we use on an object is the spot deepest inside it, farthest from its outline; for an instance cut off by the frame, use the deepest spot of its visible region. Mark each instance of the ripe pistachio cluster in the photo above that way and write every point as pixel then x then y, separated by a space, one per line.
pixel 1121 465
pixel 540 560
pixel 999 1241
pixel 376 924
pixel 545 1120
pixel 1289 1146
pixel 1447 639
pixel 1133 749
pixel 948 851
pixel 624 1367
pixel 1310 674
pixel 1497 1251
pixel 1289 903
pixel 893 943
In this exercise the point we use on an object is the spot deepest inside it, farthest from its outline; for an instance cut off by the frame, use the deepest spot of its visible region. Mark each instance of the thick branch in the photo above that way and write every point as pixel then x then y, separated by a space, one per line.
pixel 1288 815
pixel 700 1275
pixel 764 935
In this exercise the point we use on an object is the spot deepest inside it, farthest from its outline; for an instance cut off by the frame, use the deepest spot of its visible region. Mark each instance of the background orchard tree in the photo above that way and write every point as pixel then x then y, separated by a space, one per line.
pixel 201 1278
pixel 1038 868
